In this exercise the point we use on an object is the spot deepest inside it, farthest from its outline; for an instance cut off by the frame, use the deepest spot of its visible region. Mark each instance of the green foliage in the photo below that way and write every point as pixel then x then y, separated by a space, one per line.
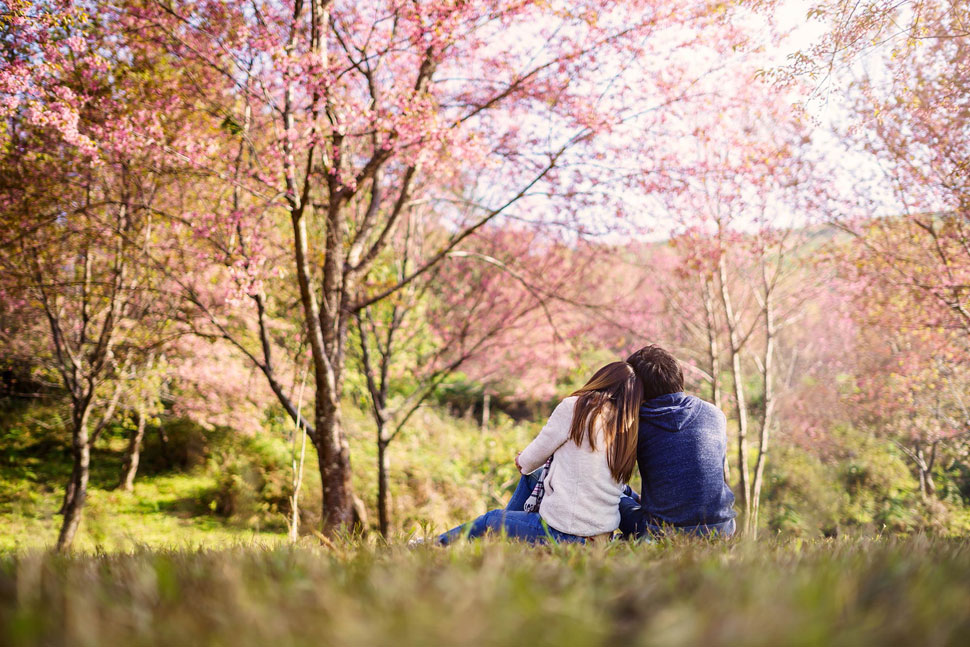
pixel 180 445
pixel 874 592
pixel 211 485
pixel 443 471
pixel 253 481
pixel 863 486
pixel 798 498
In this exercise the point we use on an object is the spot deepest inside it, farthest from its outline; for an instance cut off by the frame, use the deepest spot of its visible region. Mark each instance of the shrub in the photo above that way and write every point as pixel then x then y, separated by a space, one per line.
pixel 253 481
pixel 179 445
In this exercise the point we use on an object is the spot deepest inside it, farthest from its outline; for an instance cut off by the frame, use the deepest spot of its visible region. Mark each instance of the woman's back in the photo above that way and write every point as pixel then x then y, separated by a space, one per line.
pixel 581 496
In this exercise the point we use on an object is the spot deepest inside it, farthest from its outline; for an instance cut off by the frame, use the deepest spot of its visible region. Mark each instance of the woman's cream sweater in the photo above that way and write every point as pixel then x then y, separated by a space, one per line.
pixel 581 496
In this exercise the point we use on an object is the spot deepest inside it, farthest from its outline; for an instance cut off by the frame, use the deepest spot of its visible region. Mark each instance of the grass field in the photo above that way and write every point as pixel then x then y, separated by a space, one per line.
pixel 444 472
pixel 850 592
pixel 163 566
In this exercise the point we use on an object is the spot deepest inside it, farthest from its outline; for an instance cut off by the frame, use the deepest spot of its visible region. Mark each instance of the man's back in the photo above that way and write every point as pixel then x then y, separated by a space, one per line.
pixel 681 448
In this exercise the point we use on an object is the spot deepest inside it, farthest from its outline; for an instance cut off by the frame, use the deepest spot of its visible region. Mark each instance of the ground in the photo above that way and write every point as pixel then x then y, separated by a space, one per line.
pixel 166 565
pixel 843 591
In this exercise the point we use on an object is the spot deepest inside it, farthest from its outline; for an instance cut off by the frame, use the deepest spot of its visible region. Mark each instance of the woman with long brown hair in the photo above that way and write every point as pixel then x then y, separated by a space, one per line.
pixel 592 439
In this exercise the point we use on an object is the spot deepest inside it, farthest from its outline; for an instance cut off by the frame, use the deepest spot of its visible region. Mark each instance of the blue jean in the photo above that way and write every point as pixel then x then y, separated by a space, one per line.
pixel 513 521
pixel 634 522
pixel 522 491
pixel 516 524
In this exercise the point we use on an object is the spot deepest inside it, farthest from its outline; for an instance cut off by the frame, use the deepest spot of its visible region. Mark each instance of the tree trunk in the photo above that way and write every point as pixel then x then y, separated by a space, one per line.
pixel 78 487
pixel 294 533
pixel 713 352
pixel 486 409
pixel 383 491
pixel 299 429
pixel 769 406
pixel 714 356
pixel 69 488
pixel 744 486
pixel 130 467
pixel 334 459
pixel 734 344
pixel 927 488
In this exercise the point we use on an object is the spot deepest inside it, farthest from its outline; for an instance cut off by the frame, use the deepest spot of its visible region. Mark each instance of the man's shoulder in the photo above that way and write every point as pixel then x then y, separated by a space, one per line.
pixel 707 410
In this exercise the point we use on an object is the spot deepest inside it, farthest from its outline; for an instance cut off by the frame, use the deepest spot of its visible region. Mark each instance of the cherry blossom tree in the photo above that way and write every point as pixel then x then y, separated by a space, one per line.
pixel 915 130
pixel 342 116
pixel 854 31
pixel 913 347
pixel 909 240
pixel 910 385
pixel 745 218
pixel 469 307
pixel 83 165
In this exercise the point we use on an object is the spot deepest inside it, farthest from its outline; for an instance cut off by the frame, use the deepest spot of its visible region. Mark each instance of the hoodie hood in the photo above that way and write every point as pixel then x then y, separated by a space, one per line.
pixel 670 412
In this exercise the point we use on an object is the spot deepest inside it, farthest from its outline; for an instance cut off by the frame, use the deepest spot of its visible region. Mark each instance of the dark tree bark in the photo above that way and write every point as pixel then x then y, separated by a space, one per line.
pixel 77 488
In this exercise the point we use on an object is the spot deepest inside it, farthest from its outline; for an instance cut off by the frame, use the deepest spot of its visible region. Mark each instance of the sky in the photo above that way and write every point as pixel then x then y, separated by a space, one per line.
pixel 774 38
pixel 786 32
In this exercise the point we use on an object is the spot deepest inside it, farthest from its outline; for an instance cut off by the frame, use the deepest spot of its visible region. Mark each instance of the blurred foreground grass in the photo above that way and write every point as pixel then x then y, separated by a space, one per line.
pixel 902 591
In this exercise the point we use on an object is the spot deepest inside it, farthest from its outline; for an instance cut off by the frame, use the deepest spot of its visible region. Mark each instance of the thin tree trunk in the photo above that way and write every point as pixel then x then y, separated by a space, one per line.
pixel 922 480
pixel 930 484
pixel 714 356
pixel 132 456
pixel 486 409
pixel 294 533
pixel 377 386
pixel 769 406
pixel 744 486
pixel 383 490
pixel 295 500
pixel 927 488
pixel 81 451
pixel 713 352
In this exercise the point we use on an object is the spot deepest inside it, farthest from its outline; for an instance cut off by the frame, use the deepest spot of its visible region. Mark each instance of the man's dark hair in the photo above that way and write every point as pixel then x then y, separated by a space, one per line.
pixel 658 370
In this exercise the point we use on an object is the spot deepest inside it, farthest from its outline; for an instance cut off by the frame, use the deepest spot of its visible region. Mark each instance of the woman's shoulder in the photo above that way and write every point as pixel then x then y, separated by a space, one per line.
pixel 566 404
pixel 564 410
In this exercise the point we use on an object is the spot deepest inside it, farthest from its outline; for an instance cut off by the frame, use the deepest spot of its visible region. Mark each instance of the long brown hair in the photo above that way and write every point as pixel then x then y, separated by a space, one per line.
pixel 614 392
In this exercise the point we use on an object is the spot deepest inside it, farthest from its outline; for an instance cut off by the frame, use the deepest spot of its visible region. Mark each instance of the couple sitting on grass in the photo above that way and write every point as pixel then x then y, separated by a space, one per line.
pixel 575 473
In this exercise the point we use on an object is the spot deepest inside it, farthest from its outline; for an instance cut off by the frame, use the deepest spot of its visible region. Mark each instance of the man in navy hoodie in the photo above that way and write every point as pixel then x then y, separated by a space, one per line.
pixel 680 453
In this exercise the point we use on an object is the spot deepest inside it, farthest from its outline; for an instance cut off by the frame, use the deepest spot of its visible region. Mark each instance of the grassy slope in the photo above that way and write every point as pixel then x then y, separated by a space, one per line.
pixel 158 567
pixel 444 471
pixel 886 592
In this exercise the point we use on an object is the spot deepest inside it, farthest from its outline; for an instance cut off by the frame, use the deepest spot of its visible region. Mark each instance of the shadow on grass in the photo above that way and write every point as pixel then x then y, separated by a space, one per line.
pixel 36 460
